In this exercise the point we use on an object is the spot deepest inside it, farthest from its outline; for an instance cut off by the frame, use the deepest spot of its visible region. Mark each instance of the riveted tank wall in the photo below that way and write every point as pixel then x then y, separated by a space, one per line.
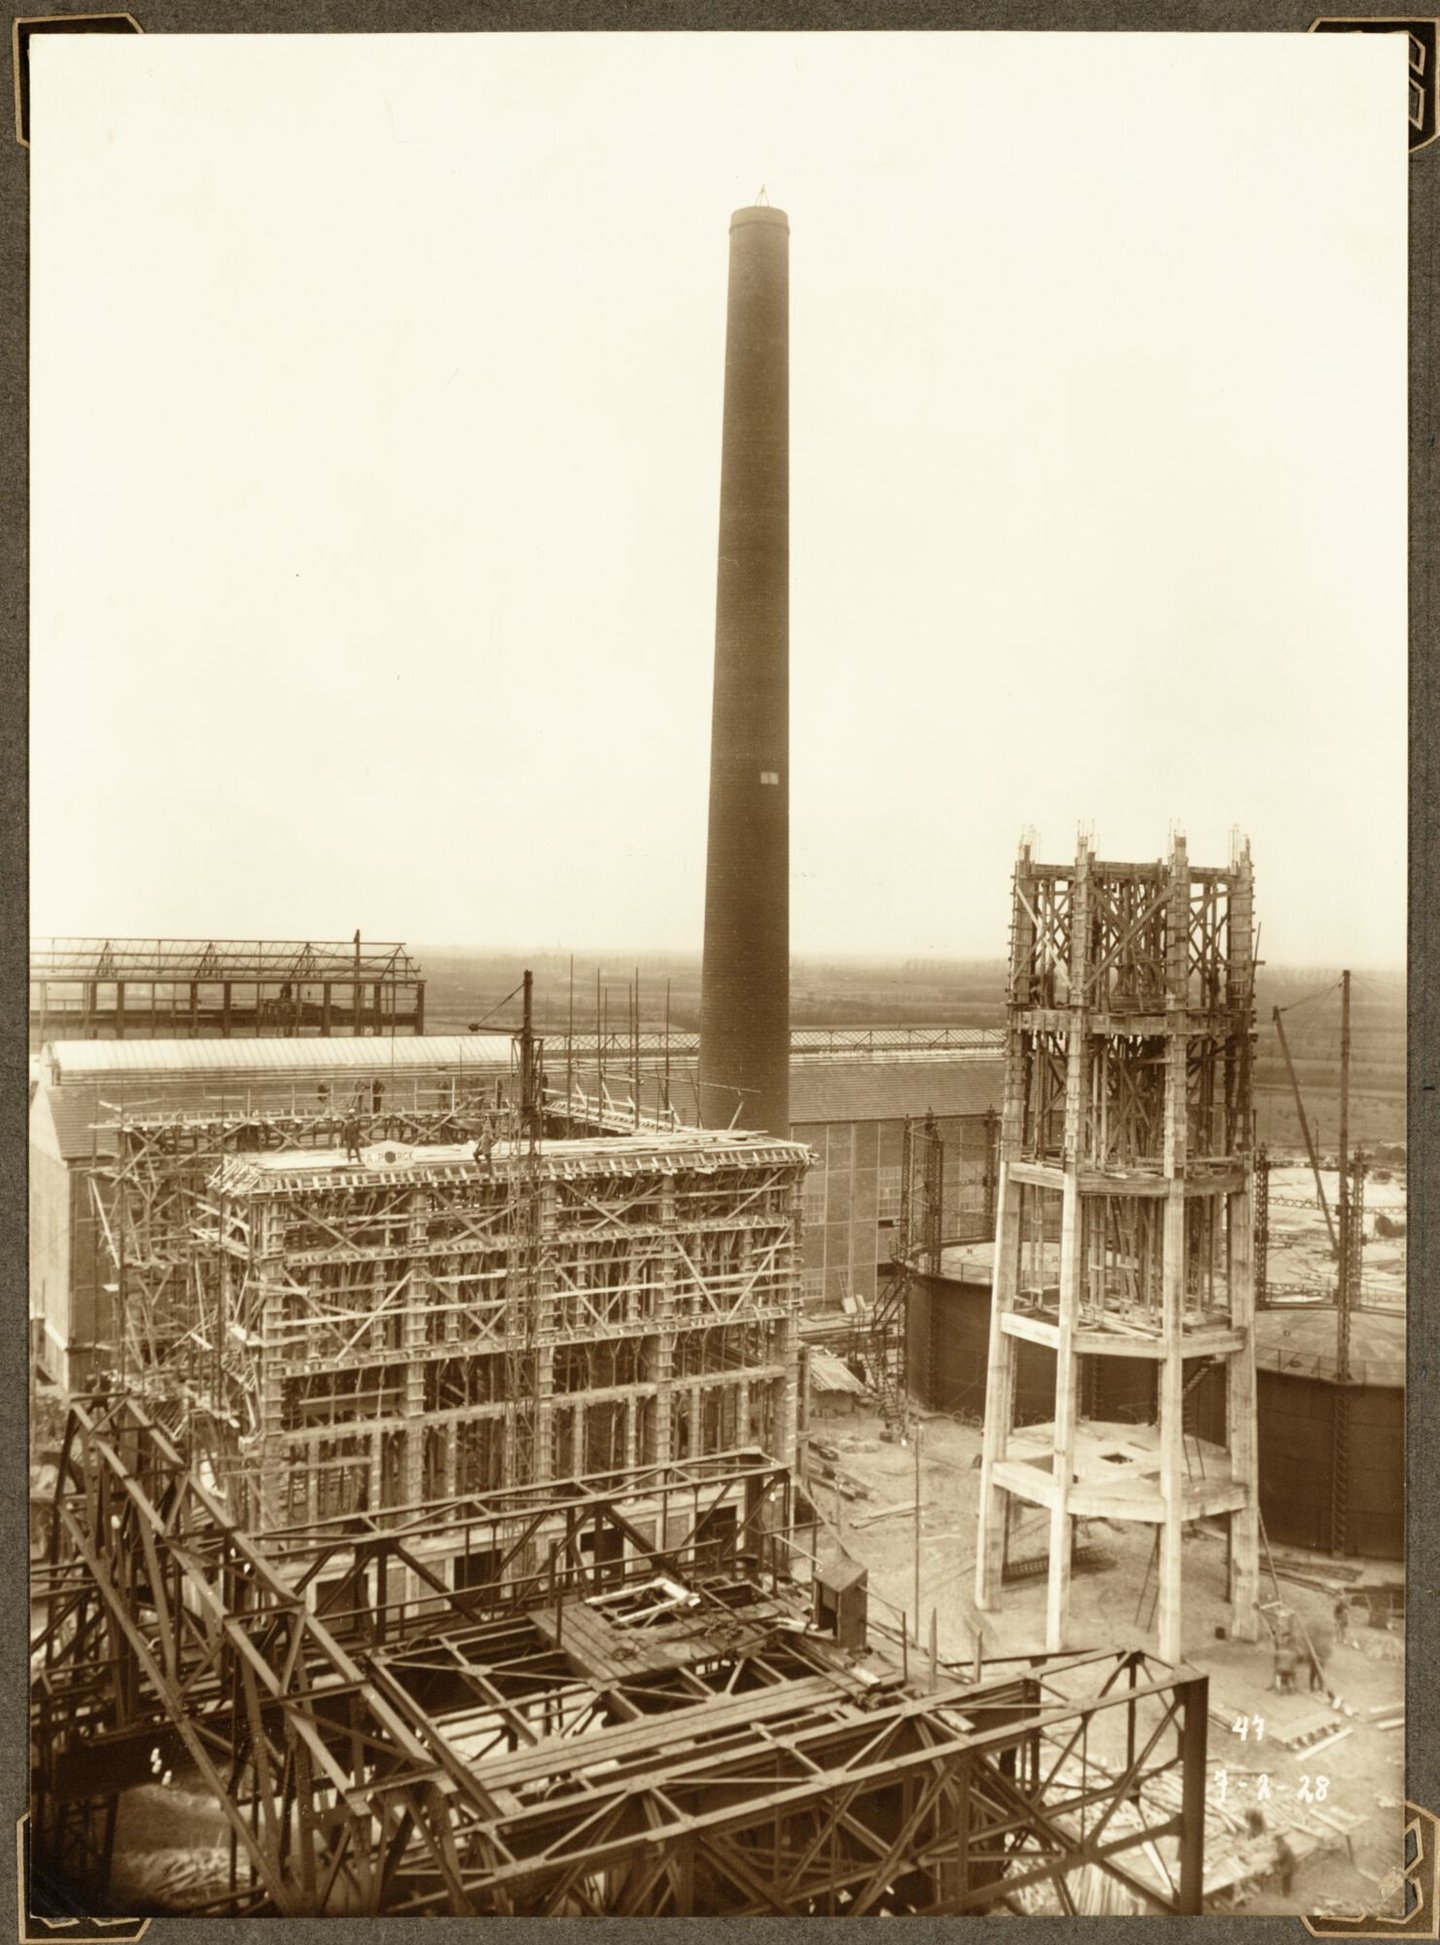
pixel 948 1342
pixel 1300 1444
pixel 1335 1486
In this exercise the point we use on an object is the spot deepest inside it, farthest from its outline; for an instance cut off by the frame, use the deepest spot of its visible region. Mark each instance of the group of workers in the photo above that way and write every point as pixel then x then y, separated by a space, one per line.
pixel 1313 1650
pixel 354 1126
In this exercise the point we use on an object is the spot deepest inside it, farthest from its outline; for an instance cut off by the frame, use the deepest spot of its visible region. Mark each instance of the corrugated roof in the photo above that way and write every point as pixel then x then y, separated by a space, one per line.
pixel 79 1060
pixel 73 1117
pixel 827 1373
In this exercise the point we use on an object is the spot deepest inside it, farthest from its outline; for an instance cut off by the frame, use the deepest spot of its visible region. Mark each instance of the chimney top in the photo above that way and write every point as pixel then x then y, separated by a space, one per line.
pixel 760 213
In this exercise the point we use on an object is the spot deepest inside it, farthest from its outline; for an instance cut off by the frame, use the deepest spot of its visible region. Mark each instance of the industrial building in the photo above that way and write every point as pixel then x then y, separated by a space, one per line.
pixel 184 1104
pixel 149 1121
pixel 84 989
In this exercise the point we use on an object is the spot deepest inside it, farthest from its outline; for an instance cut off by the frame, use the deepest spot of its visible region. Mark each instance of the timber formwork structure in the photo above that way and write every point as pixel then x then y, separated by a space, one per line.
pixel 428 1320
pixel 1125 1220
pixel 203 988
pixel 948 1178
pixel 634 1720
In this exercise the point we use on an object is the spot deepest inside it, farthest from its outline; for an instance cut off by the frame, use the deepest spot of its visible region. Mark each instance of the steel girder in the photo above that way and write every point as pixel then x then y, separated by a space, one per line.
pixel 370 1758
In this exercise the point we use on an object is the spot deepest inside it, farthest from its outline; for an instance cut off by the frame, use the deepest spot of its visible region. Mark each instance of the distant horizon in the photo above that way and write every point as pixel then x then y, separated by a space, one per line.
pixel 620 956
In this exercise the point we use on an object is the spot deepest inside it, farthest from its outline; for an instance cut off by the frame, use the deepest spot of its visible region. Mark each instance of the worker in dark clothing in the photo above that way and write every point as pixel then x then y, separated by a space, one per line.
pixel 1321 1642
pixel 1284 1683
pixel 1284 1864
pixel 484 1146
pixel 350 1133
pixel 1284 1857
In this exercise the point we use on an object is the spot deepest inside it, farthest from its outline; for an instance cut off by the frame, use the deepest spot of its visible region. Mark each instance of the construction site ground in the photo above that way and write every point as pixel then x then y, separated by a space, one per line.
pixel 1301 1257
pixel 1347 1832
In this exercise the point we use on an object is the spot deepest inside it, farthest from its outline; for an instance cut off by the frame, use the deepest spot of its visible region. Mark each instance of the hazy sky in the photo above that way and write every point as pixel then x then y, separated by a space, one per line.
pixel 376 430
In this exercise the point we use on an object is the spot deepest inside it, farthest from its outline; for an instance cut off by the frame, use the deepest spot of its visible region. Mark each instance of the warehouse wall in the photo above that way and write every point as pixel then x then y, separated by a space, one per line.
pixel 49 1245
pixel 852 1200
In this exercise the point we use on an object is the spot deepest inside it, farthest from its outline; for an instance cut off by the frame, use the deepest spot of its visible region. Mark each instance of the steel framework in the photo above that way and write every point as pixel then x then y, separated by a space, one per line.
pixel 1125 1224
pixel 635 1723
pixel 81 988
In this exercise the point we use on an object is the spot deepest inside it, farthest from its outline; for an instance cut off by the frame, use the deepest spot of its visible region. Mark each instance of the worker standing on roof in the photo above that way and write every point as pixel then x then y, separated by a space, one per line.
pixel 350 1133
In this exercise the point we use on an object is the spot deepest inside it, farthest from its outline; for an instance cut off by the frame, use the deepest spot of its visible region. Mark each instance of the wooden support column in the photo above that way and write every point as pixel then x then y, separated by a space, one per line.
pixel 419 1007
pixel 326 992
pixel 119 1009
pixel 1171 1428
pixel 275 1461
pixel 544 1409
pixel 225 992
pixel 421 1295
pixel 661 1346
pixel 1241 1432
pixel 1067 1374
pixel 1240 1425
pixel 999 1395
pixel 1173 1265
pixel 1009 1206
pixel 787 1430
pixel 1072 1245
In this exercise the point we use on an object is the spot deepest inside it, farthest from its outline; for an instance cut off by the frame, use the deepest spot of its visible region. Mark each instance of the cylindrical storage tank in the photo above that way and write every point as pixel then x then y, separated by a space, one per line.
pixel 1332 1455
pixel 948 1346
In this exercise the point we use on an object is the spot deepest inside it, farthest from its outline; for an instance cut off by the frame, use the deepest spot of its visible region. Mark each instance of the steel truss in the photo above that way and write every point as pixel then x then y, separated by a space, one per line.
pixel 586 1739
pixel 158 987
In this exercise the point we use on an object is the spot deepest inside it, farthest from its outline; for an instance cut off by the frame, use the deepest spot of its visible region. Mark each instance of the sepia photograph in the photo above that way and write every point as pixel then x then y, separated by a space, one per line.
pixel 717 1098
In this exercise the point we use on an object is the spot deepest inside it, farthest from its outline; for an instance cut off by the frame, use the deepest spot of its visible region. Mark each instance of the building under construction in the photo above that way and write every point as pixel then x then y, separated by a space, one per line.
pixel 430 1479
pixel 157 988
pixel 185 1103
pixel 1125 1224
pixel 563 1291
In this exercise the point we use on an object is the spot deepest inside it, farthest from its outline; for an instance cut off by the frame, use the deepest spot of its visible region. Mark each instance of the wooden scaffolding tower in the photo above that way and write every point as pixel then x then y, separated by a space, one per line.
pixel 1125 1213
pixel 565 1298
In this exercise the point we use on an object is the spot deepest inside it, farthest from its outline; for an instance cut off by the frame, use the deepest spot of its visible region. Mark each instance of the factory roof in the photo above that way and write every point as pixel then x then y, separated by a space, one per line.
pixel 668 1152
pixel 81 1060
